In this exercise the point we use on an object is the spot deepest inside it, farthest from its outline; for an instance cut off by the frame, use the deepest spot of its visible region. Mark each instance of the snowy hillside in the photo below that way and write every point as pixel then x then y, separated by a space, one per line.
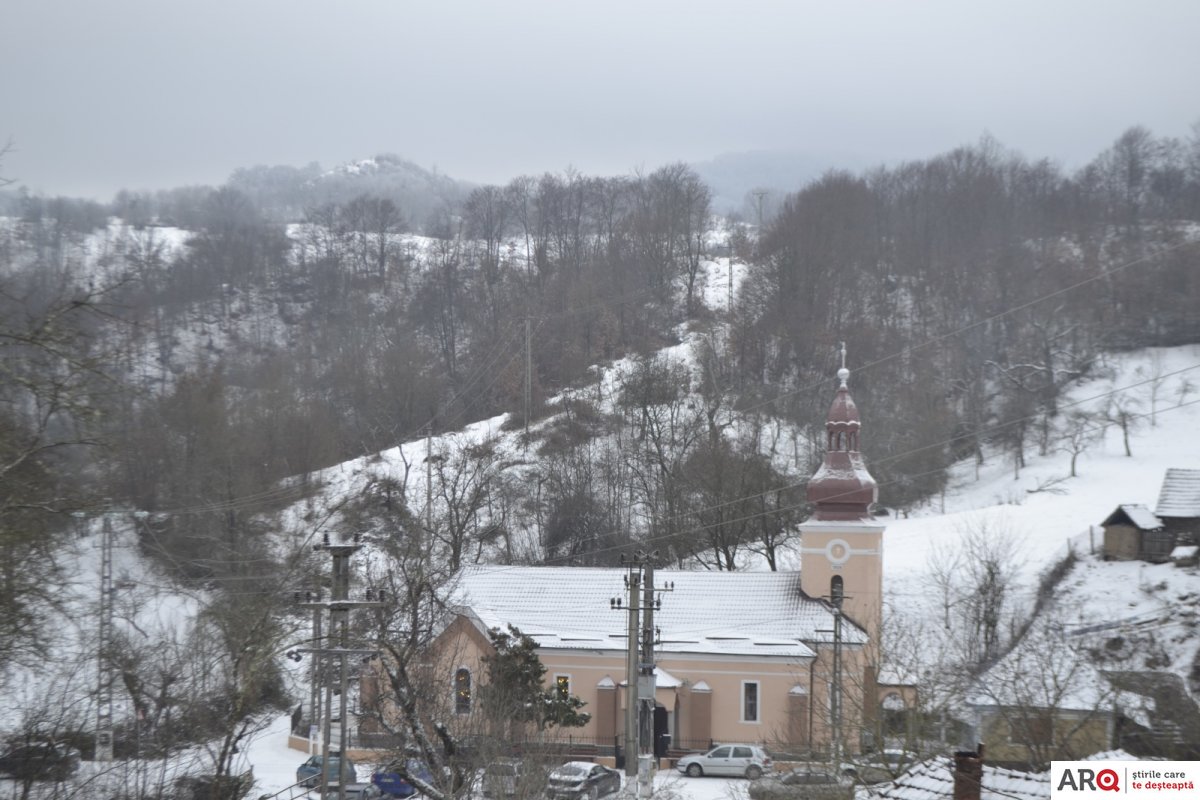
pixel 1044 510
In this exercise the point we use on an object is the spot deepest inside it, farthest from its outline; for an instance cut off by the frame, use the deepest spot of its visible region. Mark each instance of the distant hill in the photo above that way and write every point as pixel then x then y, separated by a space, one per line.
pixel 285 192
pixel 734 176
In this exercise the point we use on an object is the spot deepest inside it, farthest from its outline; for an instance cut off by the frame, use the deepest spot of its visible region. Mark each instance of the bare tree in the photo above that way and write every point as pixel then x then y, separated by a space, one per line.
pixel 1122 411
pixel 1080 431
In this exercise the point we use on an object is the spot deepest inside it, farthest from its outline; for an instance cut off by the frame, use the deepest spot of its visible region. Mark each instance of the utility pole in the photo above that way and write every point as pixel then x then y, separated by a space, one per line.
pixel 835 688
pixel 633 579
pixel 639 670
pixel 758 196
pixel 428 480
pixel 646 683
pixel 837 685
pixel 316 672
pixel 528 375
pixel 729 300
pixel 338 606
pixel 104 731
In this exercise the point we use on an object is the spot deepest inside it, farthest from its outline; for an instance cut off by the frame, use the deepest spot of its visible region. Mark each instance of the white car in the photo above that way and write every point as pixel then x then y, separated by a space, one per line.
pixel 727 759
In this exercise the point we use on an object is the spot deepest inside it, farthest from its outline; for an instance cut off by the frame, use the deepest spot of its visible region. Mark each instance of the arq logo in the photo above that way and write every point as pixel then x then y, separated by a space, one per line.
pixel 1079 779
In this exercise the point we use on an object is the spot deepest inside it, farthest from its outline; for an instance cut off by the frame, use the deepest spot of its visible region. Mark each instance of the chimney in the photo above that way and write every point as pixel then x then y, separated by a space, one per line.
pixel 968 774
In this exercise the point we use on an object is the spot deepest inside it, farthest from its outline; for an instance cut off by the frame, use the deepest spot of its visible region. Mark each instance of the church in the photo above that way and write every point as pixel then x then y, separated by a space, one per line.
pixel 789 660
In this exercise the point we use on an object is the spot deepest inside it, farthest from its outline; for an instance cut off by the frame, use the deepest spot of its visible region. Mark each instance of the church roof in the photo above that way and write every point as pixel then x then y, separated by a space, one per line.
pixel 711 613
pixel 1180 495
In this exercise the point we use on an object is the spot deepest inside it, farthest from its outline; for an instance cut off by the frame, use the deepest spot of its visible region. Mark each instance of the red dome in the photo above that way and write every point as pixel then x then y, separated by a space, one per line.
pixel 842 489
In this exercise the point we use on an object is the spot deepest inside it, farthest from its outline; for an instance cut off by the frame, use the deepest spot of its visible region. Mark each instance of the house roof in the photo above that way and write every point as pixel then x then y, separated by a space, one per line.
pixel 711 613
pixel 1180 495
pixel 934 780
pixel 1137 514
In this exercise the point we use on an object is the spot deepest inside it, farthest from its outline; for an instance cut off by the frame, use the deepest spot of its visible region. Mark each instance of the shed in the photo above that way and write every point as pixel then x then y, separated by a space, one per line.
pixel 1179 507
pixel 1131 532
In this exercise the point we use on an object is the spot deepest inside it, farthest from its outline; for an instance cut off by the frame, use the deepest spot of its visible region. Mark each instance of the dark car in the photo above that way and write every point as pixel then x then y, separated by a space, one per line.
pixel 355 791
pixel 392 785
pixel 800 784
pixel 579 779
pixel 205 786
pixel 510 777
pixel 40 761
pixel 883 766
pixel 339 770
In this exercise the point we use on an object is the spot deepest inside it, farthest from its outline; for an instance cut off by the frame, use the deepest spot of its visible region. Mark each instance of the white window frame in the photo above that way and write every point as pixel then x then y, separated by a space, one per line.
pixel 757 703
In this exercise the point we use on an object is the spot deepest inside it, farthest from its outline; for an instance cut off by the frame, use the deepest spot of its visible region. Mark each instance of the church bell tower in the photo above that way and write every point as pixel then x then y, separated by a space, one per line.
pixel 842 544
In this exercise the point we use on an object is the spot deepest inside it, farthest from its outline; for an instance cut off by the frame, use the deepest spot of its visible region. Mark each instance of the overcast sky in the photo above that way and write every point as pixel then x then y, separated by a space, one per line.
pixel 96 96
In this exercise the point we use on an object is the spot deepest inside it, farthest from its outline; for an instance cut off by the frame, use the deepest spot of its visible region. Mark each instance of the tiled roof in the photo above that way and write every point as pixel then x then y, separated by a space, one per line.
pixel 731 613
pixel 1180 495
pixel 934 780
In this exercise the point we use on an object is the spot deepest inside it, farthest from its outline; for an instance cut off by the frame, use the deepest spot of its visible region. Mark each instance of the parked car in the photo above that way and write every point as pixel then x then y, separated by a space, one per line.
pixel 801 784
pixel 339 770
pixel 207 785
pixel 727 759
pixel 582 779
pixel 40 761
pixel 392 785
pixel 355 791
pixel 885 765
pixel 511 777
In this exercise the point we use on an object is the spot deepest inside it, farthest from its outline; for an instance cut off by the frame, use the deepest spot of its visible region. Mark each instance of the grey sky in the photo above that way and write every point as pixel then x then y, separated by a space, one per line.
pixel 157 93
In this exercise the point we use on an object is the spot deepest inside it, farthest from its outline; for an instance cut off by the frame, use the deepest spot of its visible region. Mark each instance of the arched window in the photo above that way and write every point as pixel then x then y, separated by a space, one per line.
pixel 836 592
pixel 462 691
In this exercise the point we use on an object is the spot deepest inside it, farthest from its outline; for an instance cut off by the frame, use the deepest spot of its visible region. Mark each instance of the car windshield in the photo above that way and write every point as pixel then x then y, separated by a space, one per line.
pixel 570 771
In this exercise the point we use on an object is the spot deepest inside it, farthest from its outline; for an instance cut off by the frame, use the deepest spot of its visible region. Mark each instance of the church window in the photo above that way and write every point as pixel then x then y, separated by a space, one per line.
pixel 836 590
pixel 750 701
pixel 462 691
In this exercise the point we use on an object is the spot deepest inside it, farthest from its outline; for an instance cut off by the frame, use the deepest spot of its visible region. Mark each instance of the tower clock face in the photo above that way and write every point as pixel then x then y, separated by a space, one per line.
pixel 837 551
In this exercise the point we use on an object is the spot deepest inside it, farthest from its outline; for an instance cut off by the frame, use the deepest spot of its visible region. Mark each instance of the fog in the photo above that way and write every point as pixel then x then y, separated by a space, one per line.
pixel 147 94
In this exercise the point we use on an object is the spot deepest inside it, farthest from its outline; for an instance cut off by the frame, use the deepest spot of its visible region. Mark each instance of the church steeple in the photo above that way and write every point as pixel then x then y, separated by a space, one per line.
pixel 842 489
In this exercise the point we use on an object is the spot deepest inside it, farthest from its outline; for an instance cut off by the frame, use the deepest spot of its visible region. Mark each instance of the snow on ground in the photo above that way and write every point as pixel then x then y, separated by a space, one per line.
pixel 719 282
pixel 147 607
pixel 1066 510
pixel 275 769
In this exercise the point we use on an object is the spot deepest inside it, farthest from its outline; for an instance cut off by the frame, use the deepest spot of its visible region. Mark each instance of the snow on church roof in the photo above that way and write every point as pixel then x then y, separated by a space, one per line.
pixel 1180 496
pixel 716 613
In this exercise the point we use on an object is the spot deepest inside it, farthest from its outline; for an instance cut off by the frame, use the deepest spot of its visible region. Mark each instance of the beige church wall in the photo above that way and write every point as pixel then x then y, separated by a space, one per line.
pixel 857 681
pixel 787 687
pixel 722 704
pixel 853 550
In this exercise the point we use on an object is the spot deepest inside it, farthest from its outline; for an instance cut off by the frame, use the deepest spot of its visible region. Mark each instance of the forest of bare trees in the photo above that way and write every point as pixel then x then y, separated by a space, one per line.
pixel 971 290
